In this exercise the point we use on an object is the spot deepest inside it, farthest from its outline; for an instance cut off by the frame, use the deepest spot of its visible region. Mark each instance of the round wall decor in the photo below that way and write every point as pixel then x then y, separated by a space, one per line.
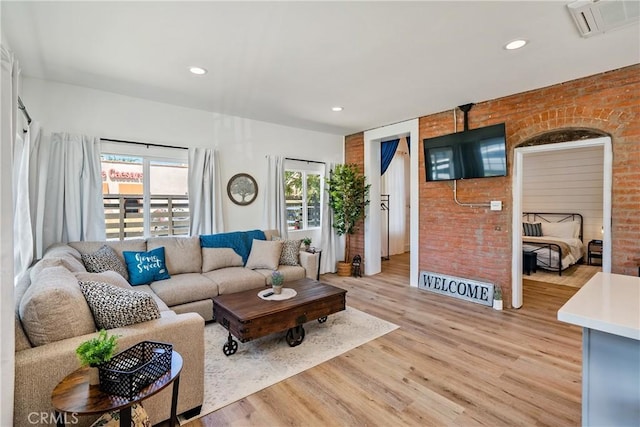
pixel 242 189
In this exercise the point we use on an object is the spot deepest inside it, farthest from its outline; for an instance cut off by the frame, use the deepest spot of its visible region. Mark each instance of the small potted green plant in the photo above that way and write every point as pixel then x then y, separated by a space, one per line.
pixel 306 243
pixel 497 299
pixel 277 280
pixel 95 352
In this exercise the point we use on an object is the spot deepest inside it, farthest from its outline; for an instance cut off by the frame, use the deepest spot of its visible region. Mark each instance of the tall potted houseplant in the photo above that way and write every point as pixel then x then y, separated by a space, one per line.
pixel 348 198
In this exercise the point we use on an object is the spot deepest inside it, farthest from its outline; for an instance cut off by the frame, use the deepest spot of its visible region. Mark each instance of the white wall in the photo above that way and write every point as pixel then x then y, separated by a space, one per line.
pixel 242 143
pixel 566 181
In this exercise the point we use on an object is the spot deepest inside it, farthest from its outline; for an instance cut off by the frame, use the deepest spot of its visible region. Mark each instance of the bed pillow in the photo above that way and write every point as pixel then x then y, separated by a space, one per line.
pixel 114 307
pixel 264 254
pixel 532 229
pixel 104 259
pixel 146 267
pixel 564 230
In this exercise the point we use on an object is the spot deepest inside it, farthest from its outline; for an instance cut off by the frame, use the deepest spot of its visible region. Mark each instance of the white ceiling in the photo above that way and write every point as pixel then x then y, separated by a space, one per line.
pixel 290 62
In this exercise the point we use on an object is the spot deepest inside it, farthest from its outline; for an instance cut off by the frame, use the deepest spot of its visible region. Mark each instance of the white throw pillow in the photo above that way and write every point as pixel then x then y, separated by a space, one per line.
pixel 264 254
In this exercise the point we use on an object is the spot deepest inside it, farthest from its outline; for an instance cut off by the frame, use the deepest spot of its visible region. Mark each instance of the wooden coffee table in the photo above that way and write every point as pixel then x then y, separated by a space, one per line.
pixel 246 316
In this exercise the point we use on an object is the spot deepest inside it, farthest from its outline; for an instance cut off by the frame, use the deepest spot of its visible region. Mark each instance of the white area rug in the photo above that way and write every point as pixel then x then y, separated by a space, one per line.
pixel 263 362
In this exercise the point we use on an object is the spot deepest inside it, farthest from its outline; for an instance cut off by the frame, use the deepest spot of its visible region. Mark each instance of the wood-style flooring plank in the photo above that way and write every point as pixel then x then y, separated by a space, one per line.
pixel 451 363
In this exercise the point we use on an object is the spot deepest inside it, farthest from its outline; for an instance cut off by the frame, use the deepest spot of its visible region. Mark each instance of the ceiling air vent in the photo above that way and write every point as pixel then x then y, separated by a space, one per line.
pixel 598 16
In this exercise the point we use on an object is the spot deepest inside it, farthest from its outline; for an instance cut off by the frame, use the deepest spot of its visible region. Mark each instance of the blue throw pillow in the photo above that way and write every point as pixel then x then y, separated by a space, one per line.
pixel 239 241
pixel 146 267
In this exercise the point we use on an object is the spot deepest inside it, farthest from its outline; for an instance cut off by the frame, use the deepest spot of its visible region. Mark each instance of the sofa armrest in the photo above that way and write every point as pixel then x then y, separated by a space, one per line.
pixel 39 369
pixel 310 263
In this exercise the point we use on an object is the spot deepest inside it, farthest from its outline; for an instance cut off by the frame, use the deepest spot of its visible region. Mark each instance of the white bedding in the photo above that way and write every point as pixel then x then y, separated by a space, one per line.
pixel 548 259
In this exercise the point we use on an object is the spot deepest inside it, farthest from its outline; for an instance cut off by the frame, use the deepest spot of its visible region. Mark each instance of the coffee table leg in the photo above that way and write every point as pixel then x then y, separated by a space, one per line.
pixel 230 347
pixel 295 336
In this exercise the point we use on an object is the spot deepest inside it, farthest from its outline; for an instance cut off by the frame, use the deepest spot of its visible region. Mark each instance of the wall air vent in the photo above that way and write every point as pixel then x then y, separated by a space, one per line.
pixel 598 16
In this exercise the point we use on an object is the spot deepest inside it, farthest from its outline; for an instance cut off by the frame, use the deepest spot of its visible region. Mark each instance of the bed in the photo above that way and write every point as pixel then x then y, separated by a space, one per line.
pixel 556 239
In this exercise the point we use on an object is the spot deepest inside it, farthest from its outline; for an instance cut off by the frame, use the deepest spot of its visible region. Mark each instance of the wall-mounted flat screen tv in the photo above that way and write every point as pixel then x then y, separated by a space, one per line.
pixel 475 153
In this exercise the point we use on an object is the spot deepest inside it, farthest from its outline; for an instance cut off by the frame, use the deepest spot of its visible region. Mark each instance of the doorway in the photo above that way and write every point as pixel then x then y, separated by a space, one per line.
pixel 519 158
pixel 395 204
pixel 372 222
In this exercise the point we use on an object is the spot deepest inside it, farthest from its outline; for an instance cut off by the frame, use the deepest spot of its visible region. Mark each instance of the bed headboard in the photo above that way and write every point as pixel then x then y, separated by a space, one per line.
pixel 553 217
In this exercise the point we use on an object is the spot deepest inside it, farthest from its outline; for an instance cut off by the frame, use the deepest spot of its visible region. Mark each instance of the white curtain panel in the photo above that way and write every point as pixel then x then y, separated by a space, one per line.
pixel 38 170
pixel 74 207
pixel 393 182
pixel 329 239
pixel 205 192
pixel 9 74
pixel 275 205
pixel 23 233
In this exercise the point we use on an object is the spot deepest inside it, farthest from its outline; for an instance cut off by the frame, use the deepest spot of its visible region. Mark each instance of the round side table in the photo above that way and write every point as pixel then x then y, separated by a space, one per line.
pixel 74 395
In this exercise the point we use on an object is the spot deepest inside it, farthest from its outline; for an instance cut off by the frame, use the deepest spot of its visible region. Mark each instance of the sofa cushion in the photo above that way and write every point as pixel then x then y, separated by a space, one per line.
pixel 135 245
pixel 182 254
pixel 53 308
pixel 290 251
pixel 290 272
pixel 21 339
pixel 104 259
pixel 265 254
pixel 236 279
pixel 66 258
pixel 61 250
pixel 145 267
pixel 146 288
pixel 215 258
pixel 109 276
pixel 239 241
pixel 184 288
pixel 114 307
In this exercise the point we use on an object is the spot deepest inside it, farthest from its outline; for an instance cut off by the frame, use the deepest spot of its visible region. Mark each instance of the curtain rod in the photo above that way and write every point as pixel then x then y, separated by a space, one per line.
pixel 308 161
pixel 24 110
pixel 147 144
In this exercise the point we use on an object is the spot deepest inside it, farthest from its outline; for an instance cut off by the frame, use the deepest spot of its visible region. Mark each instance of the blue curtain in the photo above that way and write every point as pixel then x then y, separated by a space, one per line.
pixel 387 150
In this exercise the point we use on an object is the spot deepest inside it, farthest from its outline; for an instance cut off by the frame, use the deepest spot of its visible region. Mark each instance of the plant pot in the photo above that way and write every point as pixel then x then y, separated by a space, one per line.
pixel 277 289
pixel 344 269
pixel 497 304
pixel 94 376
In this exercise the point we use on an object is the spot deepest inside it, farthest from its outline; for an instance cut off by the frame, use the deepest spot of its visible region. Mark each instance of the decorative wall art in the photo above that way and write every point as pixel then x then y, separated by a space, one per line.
pixel 242 189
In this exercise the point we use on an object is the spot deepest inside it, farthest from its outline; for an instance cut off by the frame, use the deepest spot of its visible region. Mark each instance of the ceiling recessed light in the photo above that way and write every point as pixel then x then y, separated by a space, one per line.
pixel 337 108
pixel 515 44
pixel 198 70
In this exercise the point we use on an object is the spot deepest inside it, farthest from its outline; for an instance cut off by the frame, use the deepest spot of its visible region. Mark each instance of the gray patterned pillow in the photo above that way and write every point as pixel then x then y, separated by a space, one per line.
pixel 104 259
pixel 290 251
pixel 114 307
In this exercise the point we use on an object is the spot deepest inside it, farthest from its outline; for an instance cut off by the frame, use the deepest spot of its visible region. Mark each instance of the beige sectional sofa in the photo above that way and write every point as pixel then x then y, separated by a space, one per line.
pixel 53 316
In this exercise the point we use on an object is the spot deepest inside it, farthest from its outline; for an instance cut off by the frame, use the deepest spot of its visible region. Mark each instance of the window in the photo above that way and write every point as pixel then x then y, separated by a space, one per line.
pixel 144 197
pixel 303 193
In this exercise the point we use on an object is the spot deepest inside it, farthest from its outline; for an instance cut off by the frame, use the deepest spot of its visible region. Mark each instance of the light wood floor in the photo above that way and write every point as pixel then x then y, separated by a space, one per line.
pixel 450 363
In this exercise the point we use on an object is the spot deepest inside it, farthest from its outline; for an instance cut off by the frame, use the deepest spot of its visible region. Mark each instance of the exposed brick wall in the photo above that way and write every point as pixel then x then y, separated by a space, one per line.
pixel 476 242
pixel 354 153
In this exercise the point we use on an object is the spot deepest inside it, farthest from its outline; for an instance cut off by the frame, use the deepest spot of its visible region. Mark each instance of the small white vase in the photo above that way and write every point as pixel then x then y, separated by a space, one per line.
pixel 497 304
pixel 277 289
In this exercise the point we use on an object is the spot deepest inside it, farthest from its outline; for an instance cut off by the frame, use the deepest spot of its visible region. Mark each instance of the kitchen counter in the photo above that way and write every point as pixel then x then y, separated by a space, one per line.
pixel 607 307
pixel 608 303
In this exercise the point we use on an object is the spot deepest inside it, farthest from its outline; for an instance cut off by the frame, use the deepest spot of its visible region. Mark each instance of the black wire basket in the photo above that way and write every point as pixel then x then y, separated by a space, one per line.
pixel 131 370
